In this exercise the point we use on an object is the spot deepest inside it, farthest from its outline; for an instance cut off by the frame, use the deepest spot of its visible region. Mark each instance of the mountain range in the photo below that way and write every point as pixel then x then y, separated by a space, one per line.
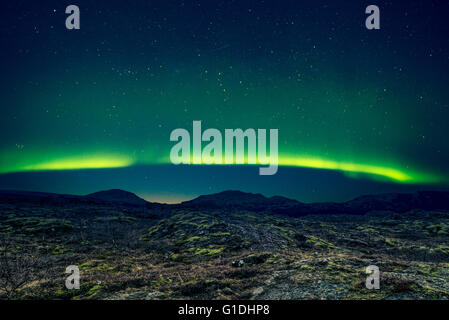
pixel 238 200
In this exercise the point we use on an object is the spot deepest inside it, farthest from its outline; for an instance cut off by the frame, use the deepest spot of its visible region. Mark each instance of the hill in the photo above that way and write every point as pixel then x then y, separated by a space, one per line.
pixel 240 200
pixel 117 196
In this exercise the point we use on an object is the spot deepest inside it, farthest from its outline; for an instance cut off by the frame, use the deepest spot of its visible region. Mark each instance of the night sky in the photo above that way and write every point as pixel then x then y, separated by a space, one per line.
pixel 358 111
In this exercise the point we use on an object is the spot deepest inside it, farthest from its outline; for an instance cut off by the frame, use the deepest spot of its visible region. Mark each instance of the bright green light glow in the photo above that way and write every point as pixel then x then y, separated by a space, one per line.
pixel 352 169
pixel 74 163
pixel 372 171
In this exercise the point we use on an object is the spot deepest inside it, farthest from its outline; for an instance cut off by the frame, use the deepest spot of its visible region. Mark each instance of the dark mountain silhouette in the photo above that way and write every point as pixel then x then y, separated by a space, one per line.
pixel 396 202
pixel 111 197
pixel 18 196
pixel 117 196
pixel 238 200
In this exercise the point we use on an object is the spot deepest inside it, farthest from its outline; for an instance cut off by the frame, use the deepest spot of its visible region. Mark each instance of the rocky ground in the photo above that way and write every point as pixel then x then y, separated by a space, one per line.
pixel 136 253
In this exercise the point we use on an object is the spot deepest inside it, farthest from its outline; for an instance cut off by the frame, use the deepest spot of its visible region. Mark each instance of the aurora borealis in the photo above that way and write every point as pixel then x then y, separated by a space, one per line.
pixel 368 106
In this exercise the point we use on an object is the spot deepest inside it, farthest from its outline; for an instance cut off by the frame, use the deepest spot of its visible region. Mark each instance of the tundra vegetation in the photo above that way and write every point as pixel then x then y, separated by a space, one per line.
pixel 140 253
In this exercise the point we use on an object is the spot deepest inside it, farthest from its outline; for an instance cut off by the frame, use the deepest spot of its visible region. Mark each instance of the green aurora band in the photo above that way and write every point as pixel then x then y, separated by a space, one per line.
pixel 379 171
